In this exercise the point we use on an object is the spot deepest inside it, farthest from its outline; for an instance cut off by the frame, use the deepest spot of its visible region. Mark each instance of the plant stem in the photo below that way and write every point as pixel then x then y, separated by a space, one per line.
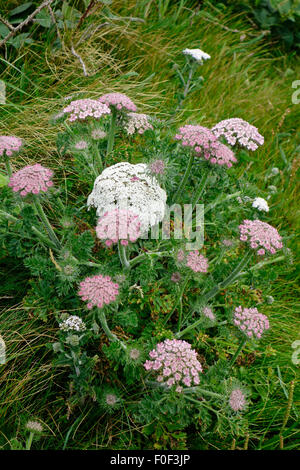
pixel 205 392
pixel 183 287
pixel 143 256
pixel 7 165
pixel 111 135
pixel 122 255
pixel 111 336
pixel 29 441
pixel 46 222
pixel 215 290
pixel 240 347
pixel 185 177
pixel 200 189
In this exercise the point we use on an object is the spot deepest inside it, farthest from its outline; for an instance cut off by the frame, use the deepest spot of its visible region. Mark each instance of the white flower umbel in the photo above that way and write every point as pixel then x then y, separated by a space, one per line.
pixel 260 204
pixel 73 323
pixel 127 186
pixel 197 54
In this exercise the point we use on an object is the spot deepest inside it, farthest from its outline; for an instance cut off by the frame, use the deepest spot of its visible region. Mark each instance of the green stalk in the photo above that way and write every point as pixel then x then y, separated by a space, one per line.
pixel 205 392
pixel 99 159
pixel 29 441
pixel 122 255
pixel 179 298
pixel 200 189
pixel 215 290
pixel 111 336
pixel 112 130
pixel 46 222
pixel 133 262
pixel 185 177
pixel 7 165
pixel 240 347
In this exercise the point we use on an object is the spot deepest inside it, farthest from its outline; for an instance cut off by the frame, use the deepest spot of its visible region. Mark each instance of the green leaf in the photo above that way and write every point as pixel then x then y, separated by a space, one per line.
pixel 3 30
pixel 20 9
pixel 44 19
pixel 3 180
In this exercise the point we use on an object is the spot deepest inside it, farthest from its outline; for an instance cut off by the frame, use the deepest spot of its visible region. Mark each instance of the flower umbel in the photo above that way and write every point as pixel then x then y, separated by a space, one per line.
pixel 9 144
pixel 260 204
pixel 118 224
pixel 205 144
pixel 119 101
pixel 98 290
pixel 73 323
pixel 31 179
pixel 261 236
pixel 250 322
pixel 176 364
pixel 237 130
pixel 81 110
pixel 198 263
pixel 137 123
pixel 237 400
pixel 34 427
pixel 197 54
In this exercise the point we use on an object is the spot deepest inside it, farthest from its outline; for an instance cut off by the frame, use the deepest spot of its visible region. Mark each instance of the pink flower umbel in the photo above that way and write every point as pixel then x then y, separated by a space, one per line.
pixel 198 263
pixel 118 224
pixel 208 313
pixel 237 400
pixel 119 101
pixel 137 123
pixel 236 130
pixel 157 167
pixel 9 144
pixel 31 179
pixel 81 110
pixel 250 322
pixel 261 236
pixel 98 290
pixel 206 144
pixel 176 363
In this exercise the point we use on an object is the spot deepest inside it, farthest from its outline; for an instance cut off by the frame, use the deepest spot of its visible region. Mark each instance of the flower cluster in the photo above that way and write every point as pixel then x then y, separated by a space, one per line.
pixel 237 400
pixel 176 363
pixel 250 321
pixel 73 323
pixel 118 224
pixel 157 167
pixel 260 204
pixel 119 101
pixel 198 263
pixel 80 110
pixel 34 427
pixel 81 145
pixel 197 54
pixel 208 313
pixel 237 130
pixel 98 134
pixel 31 179
pixel 127 186
pixel 205 143
pixel 262 236
pixel 9 144
pixel 137 123
pixel 98 290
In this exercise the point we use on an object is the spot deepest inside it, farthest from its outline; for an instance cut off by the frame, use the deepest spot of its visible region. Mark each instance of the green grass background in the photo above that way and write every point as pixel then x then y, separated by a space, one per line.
pixel 248 77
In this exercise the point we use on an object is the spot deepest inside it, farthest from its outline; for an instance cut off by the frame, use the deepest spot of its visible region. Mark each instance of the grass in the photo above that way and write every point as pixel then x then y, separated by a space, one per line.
pixel 249 78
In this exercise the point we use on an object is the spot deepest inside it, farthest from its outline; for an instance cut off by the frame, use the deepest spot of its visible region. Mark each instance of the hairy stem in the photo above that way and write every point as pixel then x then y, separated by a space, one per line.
pixel 240 347
pixel 111 134
pixel 122 255
pixel 46 222
pixel 7 165
pixel 178 300
pixel 215 290
pixel 111 336
pixel 185 177
pixel 200 189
